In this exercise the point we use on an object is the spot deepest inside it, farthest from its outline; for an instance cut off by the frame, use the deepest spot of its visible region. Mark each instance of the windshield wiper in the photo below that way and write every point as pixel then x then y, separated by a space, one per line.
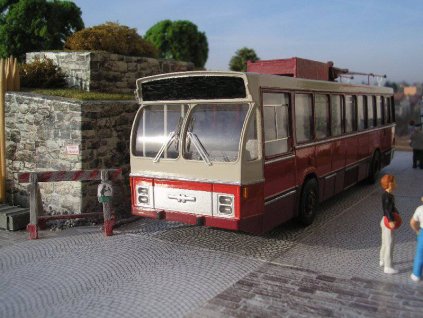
pixel 199 146
pixel 178 132
pixel 165 145
pixel 174 135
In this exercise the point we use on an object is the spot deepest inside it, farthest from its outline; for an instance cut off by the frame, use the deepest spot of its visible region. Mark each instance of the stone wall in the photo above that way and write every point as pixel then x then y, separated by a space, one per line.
pixel 107 72
pixel 38 129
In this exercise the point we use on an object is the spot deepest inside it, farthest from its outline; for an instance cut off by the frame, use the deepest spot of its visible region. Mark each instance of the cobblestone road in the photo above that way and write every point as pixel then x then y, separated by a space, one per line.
pixel 153 268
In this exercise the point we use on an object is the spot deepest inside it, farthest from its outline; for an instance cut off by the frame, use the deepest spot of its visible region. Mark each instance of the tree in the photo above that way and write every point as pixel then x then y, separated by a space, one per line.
pixel 393 85
pixel 111 37
pixel 34 25
pixel 239 60
pixel 179 40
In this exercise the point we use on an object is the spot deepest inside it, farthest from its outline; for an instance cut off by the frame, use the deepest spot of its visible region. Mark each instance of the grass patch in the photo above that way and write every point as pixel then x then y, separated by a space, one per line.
pixel 82 95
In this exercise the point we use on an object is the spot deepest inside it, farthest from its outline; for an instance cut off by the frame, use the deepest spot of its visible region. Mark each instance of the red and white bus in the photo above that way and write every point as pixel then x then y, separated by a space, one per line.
pixel 247 151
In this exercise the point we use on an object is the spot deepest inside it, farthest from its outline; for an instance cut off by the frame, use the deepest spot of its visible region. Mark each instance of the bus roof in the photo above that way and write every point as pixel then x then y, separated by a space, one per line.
pixel 295 83
pixel 253 80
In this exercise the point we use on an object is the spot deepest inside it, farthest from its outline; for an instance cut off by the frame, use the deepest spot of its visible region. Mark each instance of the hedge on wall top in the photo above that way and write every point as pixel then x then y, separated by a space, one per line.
pixel 42 73
pixel 111 37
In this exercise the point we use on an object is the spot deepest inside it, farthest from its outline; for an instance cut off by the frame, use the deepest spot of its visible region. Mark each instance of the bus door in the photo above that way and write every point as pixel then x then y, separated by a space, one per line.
pixel 387 136
pixel 305 147
pixel 279 168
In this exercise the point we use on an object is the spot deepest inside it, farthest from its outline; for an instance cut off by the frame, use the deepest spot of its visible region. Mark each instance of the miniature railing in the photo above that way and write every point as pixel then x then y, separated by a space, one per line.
pixel 105 193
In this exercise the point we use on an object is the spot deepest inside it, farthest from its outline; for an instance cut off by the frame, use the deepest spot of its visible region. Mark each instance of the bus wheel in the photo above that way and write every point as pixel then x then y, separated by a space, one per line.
pixel 374 168
pixel 309 202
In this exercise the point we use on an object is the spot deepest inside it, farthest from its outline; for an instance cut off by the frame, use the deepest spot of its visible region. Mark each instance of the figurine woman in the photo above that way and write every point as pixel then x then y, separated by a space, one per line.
pixel 416 224
pixel 388 204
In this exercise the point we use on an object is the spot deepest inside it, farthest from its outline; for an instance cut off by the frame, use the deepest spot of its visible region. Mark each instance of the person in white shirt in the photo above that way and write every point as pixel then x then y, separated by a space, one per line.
pixel 416 224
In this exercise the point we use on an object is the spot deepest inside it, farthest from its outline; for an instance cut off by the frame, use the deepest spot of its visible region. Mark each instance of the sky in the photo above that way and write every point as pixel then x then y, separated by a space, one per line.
pixel 372 36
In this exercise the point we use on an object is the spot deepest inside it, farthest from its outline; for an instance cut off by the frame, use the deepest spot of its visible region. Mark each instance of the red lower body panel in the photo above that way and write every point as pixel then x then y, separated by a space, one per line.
pixel 251 224
pixel 198 203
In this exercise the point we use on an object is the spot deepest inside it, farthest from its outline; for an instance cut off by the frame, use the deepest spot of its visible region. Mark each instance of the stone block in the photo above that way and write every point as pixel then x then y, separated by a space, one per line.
pixel 13 218
pixel 15 136
pixel 76 134
pixel 24 156
pixel 75 107
pixel 10 151
pixel 61 107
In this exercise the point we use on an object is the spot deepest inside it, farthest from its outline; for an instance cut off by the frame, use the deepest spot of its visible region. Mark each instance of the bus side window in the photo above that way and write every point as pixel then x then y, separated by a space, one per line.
pixel 362 112
pixel 392 103
pixel 336 115
pixel 321 116
pixel 379 110
pixel 350 113
pixel 387 110
pixel 303 117
pixel 276 123
pixel 371 111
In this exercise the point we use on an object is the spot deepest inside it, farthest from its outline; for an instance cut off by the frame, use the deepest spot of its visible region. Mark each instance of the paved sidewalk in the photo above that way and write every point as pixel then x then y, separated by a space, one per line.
pixel 153 268
pixel 275 290
pixel 333 271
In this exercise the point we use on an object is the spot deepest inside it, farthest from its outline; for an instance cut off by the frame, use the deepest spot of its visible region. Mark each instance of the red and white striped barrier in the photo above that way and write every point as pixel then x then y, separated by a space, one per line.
pixel 77 175
pixel 56 176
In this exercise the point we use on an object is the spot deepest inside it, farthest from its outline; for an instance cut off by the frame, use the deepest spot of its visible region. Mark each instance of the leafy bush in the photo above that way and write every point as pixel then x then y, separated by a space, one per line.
pixel 42 73
pixel 113 38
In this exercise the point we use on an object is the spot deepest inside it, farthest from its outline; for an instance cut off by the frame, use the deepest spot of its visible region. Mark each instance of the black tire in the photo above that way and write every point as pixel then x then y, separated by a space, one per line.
pixel 374 168
pixel 309 202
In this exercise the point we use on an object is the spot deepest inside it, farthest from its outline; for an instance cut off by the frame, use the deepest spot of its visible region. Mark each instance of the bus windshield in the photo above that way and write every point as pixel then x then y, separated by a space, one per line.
pixel 213 131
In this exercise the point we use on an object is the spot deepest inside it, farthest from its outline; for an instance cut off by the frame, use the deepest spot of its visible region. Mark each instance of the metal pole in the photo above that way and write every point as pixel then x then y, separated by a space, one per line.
pixel 34 206
pixel 107 207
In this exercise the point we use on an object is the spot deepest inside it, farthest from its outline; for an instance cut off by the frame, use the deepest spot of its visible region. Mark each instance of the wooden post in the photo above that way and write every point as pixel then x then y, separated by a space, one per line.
pixel 14 73
pixel 9 74
pixel 9 80
pixel 34 206
pixel 3 82
pixel 107 204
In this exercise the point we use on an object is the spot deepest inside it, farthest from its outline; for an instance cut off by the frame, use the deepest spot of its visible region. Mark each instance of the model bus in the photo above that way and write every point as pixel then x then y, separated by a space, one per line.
pixel 248 151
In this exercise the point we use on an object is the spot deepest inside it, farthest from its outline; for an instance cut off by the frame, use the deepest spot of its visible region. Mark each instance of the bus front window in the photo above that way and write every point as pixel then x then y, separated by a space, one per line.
pixel 214 132
pixel 157 131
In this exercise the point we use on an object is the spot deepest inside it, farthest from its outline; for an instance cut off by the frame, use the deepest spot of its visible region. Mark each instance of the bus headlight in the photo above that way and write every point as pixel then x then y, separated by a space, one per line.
pixel 225 200
pixel 143 195
pixel 225 205
pixel 143 199
pixel 225 209
pixel 143 190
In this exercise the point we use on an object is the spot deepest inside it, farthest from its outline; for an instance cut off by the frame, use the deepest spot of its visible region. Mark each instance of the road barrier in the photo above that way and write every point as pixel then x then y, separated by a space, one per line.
pixel 105 194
